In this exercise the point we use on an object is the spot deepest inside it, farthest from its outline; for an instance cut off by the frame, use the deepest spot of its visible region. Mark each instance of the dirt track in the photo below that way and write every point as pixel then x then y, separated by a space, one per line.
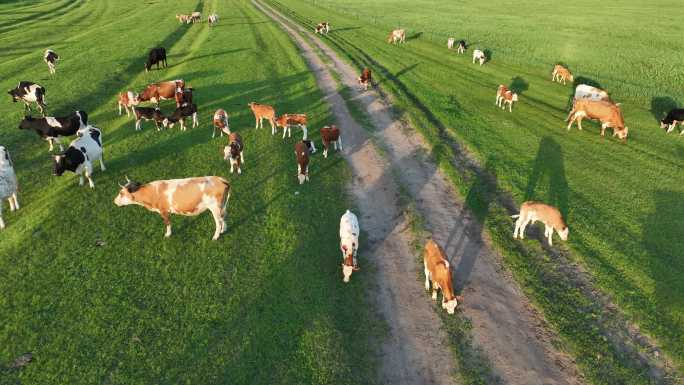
pixel 504 325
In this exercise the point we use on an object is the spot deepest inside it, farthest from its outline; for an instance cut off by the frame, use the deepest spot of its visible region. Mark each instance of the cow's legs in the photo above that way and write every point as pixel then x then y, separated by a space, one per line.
pixel 256 123
pixel 102 166
pixel 167 222
pixel 50 142
pixel 120 109
pixel 2 223
pixel 518 223
pixel 572 117
pixel 339 143
pixel 523 227
pixel 510 106
pixel 138 125
pixel 242 157
pixel 218 221
pixel 671 126
pixel 427 277
pixel 195 123
pixel 232 162
pixel 88 173
pixel 16 202
pixel 434 292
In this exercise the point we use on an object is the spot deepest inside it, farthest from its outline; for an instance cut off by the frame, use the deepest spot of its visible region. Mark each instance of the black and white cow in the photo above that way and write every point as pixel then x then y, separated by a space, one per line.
pixel 147 113
pixel 29 92
pixel 51 128
pixel 673 117
pixel 50 57
pixel 81 155
pixel 182 112
pixel 156 56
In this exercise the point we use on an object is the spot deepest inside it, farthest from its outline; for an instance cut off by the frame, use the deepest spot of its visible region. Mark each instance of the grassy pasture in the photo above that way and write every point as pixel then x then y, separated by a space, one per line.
pixel 622 202
pixel 94 291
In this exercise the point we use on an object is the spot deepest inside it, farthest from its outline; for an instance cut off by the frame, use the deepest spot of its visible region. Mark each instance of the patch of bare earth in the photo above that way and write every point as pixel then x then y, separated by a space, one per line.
pixel 505 326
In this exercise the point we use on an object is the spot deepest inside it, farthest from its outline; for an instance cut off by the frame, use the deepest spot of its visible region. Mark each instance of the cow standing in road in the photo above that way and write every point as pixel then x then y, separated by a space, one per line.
pixel 349 244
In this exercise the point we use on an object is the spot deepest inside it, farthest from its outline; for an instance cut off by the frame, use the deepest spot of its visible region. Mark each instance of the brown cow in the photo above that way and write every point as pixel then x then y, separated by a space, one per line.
pixel 550 216
pixel 397 36
pixel 561 73
pixel 161 91
pixel 438 271
pixel 302 153
pixel 607 113
pixel 261 112
pixel 331 135
pixel 189 197
pixel 322 28
pixel 505 96
pixel 183 96
pixel 286 121
pixel 126 100
pixel 221 122
pixel 233 152
pixel 366 78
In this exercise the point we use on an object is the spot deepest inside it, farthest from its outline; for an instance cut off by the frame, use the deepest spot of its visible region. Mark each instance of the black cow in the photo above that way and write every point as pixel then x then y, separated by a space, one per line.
pixel 51 128
pixel 29 92
pixel 156 56
pixel 147 113
pixel 180 114
pixel 673 117
pixel 50 59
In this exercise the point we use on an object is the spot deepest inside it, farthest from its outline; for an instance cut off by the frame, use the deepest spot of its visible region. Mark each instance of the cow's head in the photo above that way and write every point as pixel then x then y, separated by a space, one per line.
pixel 621 134
pixel 451 305
pixel 125 196
pixel 14 94
pixel 168 123
pixel 563 233
pixel 348 265
pixel 664 125
pixel 310 145
pixel 59 164
pixel 514 97
pixel 24 124
pixel 571 78
pixel 303 176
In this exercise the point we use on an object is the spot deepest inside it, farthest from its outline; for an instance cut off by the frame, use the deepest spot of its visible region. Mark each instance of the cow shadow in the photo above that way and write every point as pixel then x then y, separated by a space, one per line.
pixel 661 105
pixel 344 29
pixel 489 55
pixel 406 69
pixel 414 36
pixel 213 54
pixel 548 172
pixel 519 85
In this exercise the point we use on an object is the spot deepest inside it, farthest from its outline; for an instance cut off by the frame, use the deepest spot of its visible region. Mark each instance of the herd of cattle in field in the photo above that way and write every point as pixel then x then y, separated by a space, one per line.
pixel 193 196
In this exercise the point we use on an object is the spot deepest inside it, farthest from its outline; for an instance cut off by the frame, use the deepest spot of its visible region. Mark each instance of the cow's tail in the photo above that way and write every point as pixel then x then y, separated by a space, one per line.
pixel 225 202
pixel 515 216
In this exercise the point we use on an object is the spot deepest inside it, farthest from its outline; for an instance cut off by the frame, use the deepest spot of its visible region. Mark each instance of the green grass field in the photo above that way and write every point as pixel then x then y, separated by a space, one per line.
pixel 623 203
pixel 94 291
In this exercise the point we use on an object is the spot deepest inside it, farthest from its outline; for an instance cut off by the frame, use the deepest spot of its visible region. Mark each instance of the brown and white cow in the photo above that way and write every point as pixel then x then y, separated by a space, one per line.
pixel 561 73
pixel 366 78
pixel 196 17
pixel 183 18
pixel 161 91
pixel 438 272
pixel 189 197
pixel 550 216
pixel 397 36
pixel 261 112
pixel 349 244
pixel 233 152
pixel 322 28
pixel 286 121
pixel 302 153
pixel 607 113
pixel 127 100
pixel 505 96
pixel 221 122
pixel 330 135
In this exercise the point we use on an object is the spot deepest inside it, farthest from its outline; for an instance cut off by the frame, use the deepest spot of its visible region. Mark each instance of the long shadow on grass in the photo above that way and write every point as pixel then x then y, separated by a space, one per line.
pixel 661 105
pixel 549 165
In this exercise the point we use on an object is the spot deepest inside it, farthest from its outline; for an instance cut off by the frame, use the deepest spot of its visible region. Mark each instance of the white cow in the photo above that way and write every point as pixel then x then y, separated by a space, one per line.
pixel 81 154
pixel 450 43
pixel 8 183
pixel 584 91
pixel 479 55
pixel 349 243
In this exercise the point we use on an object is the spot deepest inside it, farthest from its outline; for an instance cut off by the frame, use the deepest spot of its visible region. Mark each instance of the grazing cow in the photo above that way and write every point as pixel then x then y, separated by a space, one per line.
pixel 450 43
pixel 183 96
pixel 397 36
pixel 479 55
pixel 196 17
pixel 583 91
pixel 561 73
pixel 366 78
pixel 189 197
pixel 156 56
pixel 322 28
pixel 212 19
pixel 552 219
pixel 331 135
pixel 29 92
pixel 183 18
pixel 462 47
pixel 302 153
pixel 50 58
pixel 261 112
pixel 8 183
pixel 233 152
pixel 148 113
pixel 607 113
pixel 180 114
pixel 127 99
pixel 221 122
pixel 80 155
pixel 51 128
pixel 161 91
pixel 505 96
pixel 286 121
pixel 310 145
pixel 438 272
pixel 349 244
pixel 673 117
